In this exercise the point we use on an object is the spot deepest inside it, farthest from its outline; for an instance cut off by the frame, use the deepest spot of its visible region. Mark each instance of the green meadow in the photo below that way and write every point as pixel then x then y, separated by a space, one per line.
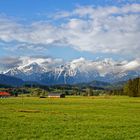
pixel 71 118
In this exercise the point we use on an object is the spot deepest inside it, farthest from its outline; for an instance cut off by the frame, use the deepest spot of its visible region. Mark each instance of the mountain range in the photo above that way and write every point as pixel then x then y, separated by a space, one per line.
pixel 9 80
pixel 50 72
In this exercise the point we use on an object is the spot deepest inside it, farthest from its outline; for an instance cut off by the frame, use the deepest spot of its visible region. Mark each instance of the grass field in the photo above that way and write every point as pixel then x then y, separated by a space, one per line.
pixel 72 118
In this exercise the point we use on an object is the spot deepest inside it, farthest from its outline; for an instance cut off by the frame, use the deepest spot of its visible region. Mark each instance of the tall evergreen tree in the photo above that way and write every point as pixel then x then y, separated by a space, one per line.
pixel 132 88
pixel 139 88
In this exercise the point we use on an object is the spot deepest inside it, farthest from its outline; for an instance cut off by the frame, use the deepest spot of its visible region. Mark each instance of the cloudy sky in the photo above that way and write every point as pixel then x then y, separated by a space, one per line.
pixel 69 29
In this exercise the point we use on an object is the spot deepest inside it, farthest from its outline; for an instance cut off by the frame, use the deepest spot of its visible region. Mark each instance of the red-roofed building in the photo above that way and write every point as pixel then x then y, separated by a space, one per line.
pixel 4 94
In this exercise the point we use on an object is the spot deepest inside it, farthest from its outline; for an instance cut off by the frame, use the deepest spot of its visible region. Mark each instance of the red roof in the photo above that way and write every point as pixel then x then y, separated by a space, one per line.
pixel 4 94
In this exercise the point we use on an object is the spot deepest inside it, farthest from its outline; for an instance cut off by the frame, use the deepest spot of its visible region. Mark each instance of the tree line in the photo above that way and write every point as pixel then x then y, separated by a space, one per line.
pixel 132 88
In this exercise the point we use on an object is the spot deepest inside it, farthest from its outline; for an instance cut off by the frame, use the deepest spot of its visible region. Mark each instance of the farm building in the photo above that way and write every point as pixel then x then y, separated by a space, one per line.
pixel 56 95
pixel 4 94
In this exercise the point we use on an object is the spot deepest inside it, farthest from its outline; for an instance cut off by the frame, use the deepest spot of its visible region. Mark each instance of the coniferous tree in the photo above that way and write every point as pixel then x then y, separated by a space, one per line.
pixel 139 88
pixel 126 89
pixel 132 88
pixel 135 87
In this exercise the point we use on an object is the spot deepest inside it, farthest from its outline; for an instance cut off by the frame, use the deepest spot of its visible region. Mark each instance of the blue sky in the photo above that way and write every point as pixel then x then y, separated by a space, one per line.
pixel 69 29
pixel 29 9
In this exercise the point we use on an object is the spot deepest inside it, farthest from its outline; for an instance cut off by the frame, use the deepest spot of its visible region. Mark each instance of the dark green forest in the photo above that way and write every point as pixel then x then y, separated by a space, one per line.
pixel 132 88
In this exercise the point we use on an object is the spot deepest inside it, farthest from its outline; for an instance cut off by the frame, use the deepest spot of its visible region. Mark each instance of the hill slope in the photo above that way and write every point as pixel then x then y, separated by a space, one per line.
pixel 9 80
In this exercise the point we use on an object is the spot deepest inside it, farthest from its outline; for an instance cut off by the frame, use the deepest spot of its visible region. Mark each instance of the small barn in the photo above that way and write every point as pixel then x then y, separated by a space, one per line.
pixel 4 94
pixel 56 95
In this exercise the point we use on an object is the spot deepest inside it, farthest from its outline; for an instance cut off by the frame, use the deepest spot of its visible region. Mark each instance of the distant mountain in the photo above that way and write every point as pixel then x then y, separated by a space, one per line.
pixel 30 72
pixel 94 84
pixel 9 80
pixel 76 71
pixel 99 84
pixel 102 85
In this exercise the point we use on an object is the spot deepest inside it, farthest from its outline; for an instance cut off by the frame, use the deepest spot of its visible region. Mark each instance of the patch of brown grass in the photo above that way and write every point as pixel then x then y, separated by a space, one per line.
pixel 29 111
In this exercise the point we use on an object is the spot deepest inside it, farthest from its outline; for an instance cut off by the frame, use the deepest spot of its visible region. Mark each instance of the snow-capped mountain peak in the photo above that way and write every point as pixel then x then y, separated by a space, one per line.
pixel 48 71
pixel 33 68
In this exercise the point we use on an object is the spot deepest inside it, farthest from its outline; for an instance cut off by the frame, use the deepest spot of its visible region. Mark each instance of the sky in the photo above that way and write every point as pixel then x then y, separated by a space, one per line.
pixel 70 29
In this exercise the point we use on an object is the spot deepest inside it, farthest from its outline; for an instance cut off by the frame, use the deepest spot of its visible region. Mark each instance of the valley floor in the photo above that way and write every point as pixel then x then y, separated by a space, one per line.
pixel 71 118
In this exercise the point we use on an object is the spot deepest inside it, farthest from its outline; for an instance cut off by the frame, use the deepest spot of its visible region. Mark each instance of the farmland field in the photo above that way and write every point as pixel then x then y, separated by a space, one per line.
pixel 71 118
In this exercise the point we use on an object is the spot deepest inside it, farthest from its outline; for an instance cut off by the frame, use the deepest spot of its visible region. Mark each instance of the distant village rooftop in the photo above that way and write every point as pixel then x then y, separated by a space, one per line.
pixel 56 95
pixel 4 94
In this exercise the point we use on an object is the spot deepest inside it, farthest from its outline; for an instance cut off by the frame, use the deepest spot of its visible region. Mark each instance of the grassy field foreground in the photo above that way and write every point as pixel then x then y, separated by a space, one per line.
pixel 72 118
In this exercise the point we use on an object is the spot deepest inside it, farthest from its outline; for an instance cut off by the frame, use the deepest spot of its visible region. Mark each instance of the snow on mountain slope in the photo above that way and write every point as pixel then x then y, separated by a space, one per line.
pixel 55 71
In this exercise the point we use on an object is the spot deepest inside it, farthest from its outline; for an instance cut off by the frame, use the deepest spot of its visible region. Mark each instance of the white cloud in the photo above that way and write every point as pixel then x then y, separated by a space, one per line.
pixel 21 62
pixel 132 65
pixel 109 29
pixel 101 12
pixel 43 61
pixel 106 65
pixel 60 14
